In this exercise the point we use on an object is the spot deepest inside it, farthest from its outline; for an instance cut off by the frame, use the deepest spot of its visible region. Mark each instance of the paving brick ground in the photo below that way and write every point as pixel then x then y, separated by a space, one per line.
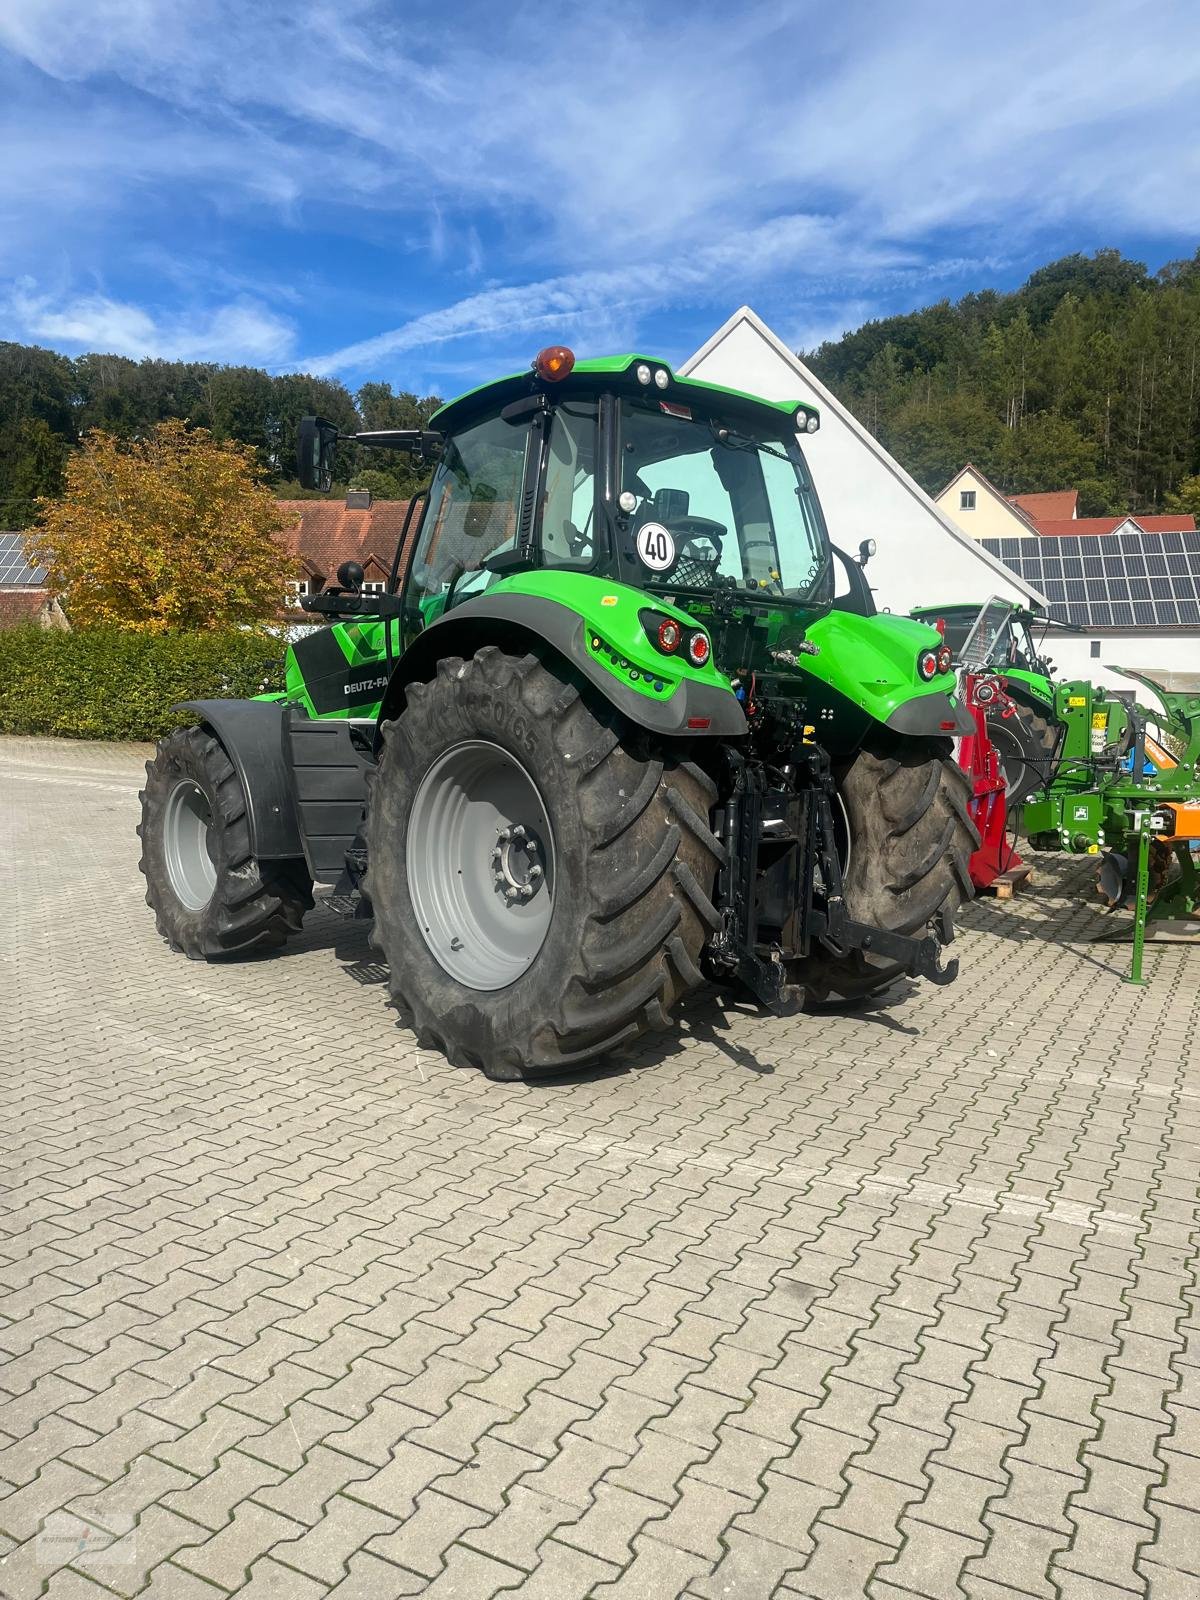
pixel 888 1303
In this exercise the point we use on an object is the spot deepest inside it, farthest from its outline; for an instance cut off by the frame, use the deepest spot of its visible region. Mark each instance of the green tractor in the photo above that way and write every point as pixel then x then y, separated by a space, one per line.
pixel 611 732
pixel 997 637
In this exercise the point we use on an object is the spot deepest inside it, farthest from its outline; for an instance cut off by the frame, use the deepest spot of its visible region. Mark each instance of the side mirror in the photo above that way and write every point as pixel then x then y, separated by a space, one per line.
pixel 315 445
pixel 865 551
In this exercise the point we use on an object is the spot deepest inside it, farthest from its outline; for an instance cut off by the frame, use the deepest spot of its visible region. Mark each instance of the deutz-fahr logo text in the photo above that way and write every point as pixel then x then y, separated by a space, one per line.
pixel 360 688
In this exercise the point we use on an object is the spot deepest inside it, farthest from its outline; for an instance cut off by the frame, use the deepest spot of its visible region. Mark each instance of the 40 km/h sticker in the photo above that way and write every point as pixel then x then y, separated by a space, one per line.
pixel 655 547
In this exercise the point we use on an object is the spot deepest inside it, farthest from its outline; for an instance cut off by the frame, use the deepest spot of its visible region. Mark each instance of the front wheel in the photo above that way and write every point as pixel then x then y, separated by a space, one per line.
pixel 906 849
pixel 210 895
pixel 541 876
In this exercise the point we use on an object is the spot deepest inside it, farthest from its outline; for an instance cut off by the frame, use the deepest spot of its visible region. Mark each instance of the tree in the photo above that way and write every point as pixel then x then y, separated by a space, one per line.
pixel 170 531
pixel 1186 498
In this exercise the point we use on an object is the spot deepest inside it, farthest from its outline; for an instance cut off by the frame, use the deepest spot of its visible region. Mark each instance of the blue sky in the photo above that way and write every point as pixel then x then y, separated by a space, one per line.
pixel 428 193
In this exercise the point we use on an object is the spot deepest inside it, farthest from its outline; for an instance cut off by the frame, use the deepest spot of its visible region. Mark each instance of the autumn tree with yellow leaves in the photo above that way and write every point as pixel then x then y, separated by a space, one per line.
pixel 169 532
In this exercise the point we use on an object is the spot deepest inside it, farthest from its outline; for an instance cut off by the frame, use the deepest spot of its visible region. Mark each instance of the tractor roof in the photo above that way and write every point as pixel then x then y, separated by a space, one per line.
pixel 622 369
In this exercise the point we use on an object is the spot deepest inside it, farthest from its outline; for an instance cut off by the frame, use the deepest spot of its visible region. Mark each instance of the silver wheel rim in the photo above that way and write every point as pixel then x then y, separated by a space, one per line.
pixel 187 845
pixel 480 857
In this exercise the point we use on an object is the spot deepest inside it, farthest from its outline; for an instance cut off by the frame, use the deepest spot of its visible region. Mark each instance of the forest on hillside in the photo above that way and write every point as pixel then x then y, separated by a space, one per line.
pixel 1086 377
pixel 47 401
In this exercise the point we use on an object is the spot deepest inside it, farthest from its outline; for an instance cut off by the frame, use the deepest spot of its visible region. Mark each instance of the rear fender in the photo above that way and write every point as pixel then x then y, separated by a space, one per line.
pixel 252 734
pixel 872 662
pixel 690 708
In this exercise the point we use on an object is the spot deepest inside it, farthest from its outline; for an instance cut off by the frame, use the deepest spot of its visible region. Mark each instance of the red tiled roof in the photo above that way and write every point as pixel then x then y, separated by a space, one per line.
pixel 21 605
pixel 1177 523
pixel 1056 505
pixel 325 533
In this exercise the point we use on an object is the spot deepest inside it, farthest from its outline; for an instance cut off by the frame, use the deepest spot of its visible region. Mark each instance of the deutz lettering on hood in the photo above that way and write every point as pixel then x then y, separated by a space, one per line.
pixel 370 683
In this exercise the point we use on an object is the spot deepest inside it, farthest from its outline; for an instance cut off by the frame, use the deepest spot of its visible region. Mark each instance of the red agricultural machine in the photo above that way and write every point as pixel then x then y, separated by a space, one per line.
pixel 983 694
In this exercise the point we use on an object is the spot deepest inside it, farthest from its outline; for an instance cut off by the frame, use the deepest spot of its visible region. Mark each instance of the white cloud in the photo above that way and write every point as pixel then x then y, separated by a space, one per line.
pixel 609 162
pixel 241 331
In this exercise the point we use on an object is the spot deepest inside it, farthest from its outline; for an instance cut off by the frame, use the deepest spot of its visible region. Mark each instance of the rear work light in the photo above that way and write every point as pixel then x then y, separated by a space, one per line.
pixel 927 664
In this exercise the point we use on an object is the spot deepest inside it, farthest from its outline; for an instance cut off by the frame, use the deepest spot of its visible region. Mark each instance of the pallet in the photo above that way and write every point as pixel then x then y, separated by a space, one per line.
pixel 1005 884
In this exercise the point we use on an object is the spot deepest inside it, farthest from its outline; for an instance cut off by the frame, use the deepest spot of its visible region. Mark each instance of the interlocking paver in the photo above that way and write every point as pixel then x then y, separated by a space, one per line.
pixel 903 1311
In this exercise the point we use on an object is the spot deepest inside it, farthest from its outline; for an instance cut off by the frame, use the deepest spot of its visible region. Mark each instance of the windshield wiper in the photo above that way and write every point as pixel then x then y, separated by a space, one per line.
pixel 741 441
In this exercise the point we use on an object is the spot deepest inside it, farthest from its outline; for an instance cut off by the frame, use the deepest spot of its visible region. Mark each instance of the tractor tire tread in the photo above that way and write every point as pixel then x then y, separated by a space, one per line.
pixel 631 935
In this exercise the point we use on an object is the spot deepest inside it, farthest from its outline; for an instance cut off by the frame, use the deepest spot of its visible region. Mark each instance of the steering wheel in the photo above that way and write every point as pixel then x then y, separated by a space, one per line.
pixel 690 531
pixel 580 541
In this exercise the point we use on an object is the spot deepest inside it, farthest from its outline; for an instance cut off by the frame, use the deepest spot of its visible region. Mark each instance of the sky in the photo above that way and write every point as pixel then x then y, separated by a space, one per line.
pixel 428 193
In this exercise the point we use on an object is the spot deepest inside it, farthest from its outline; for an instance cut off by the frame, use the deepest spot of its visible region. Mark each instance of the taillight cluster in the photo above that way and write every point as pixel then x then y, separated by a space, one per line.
pixel 931 662
pixel 672 638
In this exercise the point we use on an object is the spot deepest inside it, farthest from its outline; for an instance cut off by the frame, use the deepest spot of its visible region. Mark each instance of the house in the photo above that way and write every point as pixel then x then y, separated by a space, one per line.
pixel 972 501
pixel 24 596
pixel 975 505
pixel 325 533
pixel 922 556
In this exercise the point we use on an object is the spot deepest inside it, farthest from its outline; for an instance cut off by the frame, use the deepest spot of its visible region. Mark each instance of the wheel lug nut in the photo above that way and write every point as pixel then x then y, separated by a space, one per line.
pixel 511 894
pixel 518 832
pixel 535 872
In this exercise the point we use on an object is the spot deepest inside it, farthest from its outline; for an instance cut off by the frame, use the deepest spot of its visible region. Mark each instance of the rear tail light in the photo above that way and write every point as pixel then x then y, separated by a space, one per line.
pixel 927 664
pixel 945 658
pixel 672 636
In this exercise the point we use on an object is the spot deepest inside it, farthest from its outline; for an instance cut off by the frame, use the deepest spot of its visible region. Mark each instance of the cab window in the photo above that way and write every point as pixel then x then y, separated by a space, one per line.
pixel 569 523
pixel 471 516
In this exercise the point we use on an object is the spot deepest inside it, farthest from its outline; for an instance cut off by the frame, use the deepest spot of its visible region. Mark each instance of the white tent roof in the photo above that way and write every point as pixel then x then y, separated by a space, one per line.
pixel 932 561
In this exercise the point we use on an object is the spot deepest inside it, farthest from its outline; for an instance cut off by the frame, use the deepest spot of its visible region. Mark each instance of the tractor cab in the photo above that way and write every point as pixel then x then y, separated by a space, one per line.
pixel 994 637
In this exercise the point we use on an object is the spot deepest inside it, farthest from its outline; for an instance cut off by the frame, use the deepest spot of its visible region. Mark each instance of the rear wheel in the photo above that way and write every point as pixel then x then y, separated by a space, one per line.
pixel 540 874
pixel 210 896
pixel 1025 744
pixel 906 853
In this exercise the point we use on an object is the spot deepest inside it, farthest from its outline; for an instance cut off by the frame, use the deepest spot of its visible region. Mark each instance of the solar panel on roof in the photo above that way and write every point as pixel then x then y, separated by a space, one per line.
pixel 15 570
pixel 1121 581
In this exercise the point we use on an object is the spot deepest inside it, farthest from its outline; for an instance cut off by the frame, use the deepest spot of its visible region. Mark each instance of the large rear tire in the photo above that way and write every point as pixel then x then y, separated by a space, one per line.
pixel 1025 744
pixel 541 875
pixel 210 896
pixel 907 852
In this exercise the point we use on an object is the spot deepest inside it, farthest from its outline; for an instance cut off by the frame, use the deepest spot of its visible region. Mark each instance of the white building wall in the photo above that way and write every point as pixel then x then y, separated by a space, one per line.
pixel 1172 659
pixel 922 559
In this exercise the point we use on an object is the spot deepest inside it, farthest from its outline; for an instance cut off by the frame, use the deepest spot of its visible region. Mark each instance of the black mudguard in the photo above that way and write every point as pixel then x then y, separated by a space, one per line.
pixel 926 716
pixel 252 733
pixel 522 622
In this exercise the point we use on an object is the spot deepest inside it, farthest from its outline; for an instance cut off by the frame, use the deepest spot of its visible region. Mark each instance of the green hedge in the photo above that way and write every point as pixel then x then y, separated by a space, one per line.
pixel 107 684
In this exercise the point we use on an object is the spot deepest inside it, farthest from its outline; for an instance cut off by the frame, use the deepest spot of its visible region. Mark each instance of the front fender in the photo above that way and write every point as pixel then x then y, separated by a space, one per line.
pixel 613 655
pixel 872 662
pixel 252 734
